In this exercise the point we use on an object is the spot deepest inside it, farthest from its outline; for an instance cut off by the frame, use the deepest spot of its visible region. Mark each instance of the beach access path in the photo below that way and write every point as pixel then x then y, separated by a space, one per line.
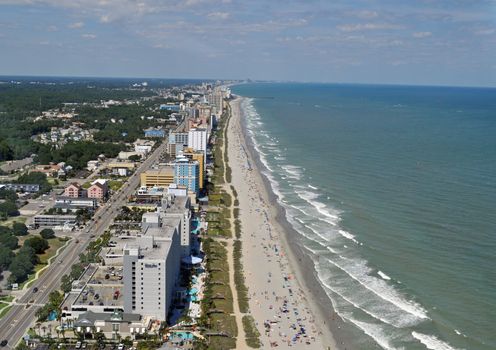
pixel 284 312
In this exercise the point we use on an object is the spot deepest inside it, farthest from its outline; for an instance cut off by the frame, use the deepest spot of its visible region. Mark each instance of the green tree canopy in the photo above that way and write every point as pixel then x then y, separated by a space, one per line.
pixel 39 244
pixel 6 256
pixel 19 229
pixel 8 240
pixel 47 233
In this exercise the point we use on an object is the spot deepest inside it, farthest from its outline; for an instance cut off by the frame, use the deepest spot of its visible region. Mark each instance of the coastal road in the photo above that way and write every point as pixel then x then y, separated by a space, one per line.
pixel 20 317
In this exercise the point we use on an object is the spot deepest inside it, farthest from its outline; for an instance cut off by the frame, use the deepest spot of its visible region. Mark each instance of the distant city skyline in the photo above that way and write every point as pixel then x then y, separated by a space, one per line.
pixel 358 41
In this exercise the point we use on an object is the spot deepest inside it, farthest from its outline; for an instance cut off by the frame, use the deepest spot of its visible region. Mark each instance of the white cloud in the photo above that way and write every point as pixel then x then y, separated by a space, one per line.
pixel 420 35
pixel 105 18
pixel 52 28
pixel 487 31
pixel 76 25
pixel 365 14
pixel 367 26
pixel 88 36
pixel 218 15
pixel 161 46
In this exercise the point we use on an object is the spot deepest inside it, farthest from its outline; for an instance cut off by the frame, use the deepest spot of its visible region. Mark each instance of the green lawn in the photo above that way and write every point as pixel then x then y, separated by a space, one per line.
pixel 7 298
pixel 4 310
pixel 55 243
pixel 114 185
pixel 10 221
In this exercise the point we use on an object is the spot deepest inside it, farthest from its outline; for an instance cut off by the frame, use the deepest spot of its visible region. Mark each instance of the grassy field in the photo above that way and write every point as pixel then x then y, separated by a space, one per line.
pixel 55 243
pixel 10 221
pixel 114 185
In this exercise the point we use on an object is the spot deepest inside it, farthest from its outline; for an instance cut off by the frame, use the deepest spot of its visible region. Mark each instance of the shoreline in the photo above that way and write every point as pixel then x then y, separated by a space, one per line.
pixel 327 320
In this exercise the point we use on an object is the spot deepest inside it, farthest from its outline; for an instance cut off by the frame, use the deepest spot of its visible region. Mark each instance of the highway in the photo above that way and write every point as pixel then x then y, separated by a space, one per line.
pixel 20 317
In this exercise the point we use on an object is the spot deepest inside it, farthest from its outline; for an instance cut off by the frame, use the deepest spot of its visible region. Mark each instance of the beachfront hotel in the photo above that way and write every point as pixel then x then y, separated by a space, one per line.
pixel 151 269
pixel 187 173
pixel 198 156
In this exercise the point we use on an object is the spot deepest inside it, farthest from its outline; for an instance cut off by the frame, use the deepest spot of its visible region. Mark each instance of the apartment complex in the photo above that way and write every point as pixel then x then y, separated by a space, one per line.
pixel 74 190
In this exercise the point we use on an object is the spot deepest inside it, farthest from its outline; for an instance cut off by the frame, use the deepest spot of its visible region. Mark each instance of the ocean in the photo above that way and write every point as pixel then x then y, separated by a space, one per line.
pixel 392 191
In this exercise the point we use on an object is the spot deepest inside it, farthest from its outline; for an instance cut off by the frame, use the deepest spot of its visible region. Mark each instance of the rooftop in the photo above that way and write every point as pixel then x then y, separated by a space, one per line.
pixel 103 295
pixel 89 318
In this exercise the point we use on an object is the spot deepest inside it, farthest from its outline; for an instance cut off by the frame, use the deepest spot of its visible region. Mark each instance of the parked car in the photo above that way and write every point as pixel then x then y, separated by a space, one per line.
pixel 78 345
pixel 4 342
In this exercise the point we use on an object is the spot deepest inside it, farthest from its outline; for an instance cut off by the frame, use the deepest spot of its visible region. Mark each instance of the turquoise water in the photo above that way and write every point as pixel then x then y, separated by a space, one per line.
pixel 393 192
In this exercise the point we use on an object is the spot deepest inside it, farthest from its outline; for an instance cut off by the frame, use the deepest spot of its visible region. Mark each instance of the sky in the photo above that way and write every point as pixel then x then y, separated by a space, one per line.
pixel 431 42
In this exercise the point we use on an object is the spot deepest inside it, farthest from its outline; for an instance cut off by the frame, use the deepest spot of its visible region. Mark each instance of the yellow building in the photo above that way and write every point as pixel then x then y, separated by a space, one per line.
pixel 160 178
pixel 199 156
pixel 126 165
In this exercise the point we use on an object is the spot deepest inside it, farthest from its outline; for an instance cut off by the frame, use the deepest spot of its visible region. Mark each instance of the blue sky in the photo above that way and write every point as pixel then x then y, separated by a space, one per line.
pixel 450 42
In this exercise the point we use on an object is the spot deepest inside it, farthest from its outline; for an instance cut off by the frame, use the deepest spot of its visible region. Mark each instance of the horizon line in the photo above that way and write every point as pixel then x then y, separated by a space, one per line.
pixel 250 79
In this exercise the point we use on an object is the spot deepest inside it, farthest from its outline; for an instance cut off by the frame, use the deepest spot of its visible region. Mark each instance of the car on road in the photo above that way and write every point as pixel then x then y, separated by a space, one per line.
pixel 4 342
pixel 78 345
pixel 120 347
pixel 35 289
pixel 84 346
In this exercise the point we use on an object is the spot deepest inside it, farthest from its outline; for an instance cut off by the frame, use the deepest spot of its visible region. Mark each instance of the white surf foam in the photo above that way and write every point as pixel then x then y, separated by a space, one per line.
pixel 373 315
pixel 310 197
pixel 348 235
pixel 359 272
pixel 292 171
pixel 375 332
pixel 383 275
pixel 432 342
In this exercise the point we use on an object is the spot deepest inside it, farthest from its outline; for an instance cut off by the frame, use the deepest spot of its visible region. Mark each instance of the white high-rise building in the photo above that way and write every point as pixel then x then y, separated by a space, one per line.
pixel 151 266
pixel 197 139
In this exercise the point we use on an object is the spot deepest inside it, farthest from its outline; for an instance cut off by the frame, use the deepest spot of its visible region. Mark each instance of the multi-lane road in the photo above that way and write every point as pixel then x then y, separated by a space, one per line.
pixel 22 314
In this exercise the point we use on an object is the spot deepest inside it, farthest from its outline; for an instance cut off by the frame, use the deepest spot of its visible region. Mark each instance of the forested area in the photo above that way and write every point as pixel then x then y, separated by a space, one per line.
pixel 21 103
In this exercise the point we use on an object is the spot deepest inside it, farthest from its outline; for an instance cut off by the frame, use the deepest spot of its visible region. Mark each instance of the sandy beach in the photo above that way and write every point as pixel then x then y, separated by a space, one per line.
pixel 287 313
